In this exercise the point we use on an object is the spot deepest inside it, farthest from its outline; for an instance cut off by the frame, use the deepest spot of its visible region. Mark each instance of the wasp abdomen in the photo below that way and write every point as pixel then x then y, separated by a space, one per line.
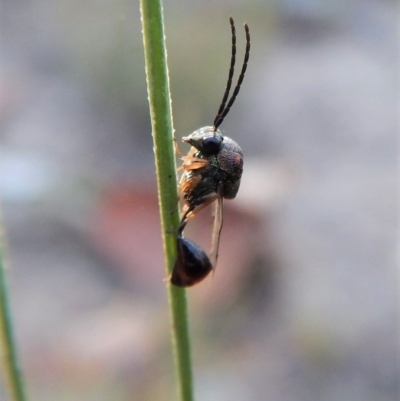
pixel 192 264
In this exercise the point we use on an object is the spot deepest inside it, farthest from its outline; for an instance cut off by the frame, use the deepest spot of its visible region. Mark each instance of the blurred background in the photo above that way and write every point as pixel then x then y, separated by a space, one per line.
pixel 304 303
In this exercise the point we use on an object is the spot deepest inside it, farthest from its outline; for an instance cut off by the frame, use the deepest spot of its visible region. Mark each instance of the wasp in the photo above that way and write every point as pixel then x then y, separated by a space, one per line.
pixel 212 171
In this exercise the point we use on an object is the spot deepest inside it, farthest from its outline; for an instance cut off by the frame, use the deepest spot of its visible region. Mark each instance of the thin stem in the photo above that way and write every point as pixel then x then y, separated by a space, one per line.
pixel 10 360
pixel 162 127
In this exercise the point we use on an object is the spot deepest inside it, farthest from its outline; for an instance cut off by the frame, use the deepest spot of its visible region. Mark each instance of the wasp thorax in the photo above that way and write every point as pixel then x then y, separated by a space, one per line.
pixel 206 140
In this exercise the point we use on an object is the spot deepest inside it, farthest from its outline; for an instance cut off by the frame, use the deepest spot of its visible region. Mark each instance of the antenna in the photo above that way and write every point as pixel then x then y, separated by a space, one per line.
pixel 223 111
pixel 231 71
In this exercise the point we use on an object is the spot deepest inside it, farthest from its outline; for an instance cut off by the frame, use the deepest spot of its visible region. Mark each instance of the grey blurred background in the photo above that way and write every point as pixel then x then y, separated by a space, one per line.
pixel 304 303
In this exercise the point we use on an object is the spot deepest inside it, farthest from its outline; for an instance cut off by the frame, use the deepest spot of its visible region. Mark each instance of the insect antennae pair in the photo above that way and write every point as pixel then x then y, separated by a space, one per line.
pixel 223 111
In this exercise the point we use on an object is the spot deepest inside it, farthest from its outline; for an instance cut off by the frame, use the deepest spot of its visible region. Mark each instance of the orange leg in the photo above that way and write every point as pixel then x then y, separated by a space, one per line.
pixel 194 163
pixel 177 150
pixel 191 164
pixel 207 200
pixel 188 185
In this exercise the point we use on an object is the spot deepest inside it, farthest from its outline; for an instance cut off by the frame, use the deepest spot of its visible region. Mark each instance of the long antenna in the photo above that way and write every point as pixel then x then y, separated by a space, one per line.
pixel 220 117
pixel 231 71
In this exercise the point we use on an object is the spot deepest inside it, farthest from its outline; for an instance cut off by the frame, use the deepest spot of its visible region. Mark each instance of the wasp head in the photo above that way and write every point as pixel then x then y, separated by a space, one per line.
pixel 207 140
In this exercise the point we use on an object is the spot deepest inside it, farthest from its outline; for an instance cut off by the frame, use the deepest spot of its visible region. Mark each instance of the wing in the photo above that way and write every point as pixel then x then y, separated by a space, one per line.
pixel 217 227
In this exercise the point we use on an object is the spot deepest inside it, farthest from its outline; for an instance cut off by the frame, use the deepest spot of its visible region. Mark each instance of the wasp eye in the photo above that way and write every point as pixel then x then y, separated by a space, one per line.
pixel 212 144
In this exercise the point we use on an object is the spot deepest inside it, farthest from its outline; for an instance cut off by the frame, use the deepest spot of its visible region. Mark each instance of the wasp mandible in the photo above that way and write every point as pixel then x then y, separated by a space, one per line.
pixel 211 172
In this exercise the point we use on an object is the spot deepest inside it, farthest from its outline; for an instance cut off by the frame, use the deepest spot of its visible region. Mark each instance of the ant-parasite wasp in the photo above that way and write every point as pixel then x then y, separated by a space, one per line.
pixel 211 171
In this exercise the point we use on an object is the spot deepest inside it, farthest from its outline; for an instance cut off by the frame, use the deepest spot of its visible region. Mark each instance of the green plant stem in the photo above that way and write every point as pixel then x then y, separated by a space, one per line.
pixel 10 362
pixel 162 127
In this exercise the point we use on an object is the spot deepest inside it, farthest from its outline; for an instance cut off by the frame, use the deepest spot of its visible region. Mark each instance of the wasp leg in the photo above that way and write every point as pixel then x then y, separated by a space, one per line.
pixel 189 185
pixel 181 156
pixel 194 163
pixel 189 212
pixel 177 150
pixel 217 227
pixel 192 151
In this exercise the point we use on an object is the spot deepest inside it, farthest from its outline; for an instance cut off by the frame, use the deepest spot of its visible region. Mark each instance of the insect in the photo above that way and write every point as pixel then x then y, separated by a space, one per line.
pixel 211 172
